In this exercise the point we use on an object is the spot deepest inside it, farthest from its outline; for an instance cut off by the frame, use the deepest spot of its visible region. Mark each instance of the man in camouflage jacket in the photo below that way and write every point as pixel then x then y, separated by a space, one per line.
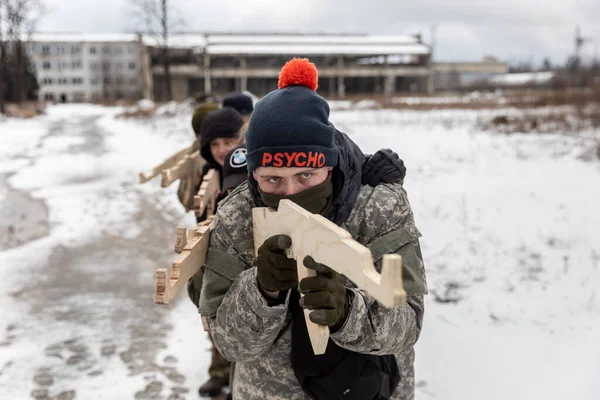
pixel 249 319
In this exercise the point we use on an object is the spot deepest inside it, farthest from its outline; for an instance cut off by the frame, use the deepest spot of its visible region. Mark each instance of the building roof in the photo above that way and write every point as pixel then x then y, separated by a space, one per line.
pixel 83 37
pixel 291 44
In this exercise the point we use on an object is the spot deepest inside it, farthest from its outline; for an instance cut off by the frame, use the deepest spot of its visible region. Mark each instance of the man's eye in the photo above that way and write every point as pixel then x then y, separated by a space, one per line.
pixel 274 179
pixel 306 175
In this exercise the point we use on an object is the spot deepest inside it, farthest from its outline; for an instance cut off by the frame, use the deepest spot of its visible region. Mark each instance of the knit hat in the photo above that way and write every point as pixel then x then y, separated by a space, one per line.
pixel 241 102
pixel 222 123
pixel 235 170
pixel 200 113
pixel 290 126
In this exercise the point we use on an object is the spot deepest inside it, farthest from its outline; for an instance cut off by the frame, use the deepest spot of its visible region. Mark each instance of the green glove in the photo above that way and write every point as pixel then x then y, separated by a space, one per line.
pixel 326 294
pixel 275 271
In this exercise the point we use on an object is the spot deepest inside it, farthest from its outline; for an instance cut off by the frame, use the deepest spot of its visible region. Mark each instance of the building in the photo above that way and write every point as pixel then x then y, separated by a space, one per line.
pixel 89 67
pixel 348 64
pixel 95 67
pixel 462 75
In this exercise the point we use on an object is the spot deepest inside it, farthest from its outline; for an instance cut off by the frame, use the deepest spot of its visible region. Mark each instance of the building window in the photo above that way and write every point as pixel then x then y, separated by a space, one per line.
pixel 92 50
pixel 107 81
pixel 76 64
pixel 105 50
pixel 131 49
pixel 132 66
pixel 45 50
pixel 106 65
pixel 46 65
pixel 93 66
pixel 133 81
pixel 95 81
pixel 119 66
pixel 75 50
pixel 47 81
pixel 118 50
pixel 48 97
pixel 77 81
pixel 61 49
pixel 62 81
pixel 119 80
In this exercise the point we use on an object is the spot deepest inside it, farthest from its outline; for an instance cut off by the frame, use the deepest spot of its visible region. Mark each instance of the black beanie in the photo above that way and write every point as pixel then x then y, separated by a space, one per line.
pixel 290 126
pixel 241 102
pixel 223 123
pixel 235 170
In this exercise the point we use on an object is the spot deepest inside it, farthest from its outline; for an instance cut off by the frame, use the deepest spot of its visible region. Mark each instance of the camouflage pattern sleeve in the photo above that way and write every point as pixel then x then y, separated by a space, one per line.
pixel 245 327
pixel 370 327
pixel 242 324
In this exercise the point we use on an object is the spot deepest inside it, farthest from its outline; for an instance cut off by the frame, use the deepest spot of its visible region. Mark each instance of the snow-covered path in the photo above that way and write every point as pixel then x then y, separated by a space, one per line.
pixel 511 241
pixel 77 316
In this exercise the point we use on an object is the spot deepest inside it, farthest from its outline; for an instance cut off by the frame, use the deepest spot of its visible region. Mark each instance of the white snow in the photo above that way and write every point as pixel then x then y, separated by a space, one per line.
pixel 510 224
pixel 512 221
pixel 522 78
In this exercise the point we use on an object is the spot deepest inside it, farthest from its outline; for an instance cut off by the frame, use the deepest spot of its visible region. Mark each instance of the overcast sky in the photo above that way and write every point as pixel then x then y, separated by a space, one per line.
pixel 466 29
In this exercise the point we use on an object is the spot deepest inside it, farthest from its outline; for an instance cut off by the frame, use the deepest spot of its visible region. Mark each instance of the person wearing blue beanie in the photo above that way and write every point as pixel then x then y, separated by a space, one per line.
pixel 251 297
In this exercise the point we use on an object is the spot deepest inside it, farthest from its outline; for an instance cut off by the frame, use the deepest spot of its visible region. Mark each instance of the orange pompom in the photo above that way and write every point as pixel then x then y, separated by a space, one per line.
pixel 299 71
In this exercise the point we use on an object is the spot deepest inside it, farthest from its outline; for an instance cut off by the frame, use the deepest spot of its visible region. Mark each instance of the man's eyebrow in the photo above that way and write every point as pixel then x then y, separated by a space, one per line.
pixel 269 176
pixel 308 171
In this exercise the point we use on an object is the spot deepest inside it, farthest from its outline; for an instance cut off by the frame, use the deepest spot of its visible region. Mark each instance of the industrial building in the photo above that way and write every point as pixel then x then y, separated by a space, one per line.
pixel 95 67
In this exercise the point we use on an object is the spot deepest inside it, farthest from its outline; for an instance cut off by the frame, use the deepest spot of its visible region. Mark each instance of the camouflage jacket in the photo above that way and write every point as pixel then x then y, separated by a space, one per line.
pixel 189 185
pixel 258 337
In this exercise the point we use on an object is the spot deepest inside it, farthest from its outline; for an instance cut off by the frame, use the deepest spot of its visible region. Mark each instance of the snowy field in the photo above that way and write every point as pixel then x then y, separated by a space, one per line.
pixel 511 242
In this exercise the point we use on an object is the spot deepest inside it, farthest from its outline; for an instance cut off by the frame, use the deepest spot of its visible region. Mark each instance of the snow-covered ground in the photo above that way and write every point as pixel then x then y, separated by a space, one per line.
pixel 511 241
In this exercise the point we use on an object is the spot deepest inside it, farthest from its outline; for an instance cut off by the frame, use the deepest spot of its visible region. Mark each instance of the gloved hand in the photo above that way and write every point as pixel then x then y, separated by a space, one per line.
pixel 274 270
pixel 384 166
pixel 325 294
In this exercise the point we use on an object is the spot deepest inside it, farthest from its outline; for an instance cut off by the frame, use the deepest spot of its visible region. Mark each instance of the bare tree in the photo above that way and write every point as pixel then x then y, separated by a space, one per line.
pixel 3 58
pixel 21 18
pixel 156 17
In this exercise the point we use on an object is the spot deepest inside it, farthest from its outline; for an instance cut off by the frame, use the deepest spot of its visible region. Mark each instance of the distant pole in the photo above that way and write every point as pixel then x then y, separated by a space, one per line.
pixel 3 59
pixel 432 30
pixel 578 42
pixel 431 77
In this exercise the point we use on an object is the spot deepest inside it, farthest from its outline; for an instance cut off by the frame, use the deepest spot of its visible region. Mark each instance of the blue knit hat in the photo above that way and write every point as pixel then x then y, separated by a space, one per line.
pixel 290 126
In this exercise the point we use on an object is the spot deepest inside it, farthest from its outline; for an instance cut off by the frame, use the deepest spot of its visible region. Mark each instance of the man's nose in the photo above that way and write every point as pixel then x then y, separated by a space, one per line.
pixel 290 188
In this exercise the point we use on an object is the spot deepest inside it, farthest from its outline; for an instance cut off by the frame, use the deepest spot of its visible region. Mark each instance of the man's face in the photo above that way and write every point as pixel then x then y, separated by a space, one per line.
pixel 220 147
pixel 289 181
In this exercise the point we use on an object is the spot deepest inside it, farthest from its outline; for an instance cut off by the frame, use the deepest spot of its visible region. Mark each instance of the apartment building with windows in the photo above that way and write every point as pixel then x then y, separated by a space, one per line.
pixel 89 67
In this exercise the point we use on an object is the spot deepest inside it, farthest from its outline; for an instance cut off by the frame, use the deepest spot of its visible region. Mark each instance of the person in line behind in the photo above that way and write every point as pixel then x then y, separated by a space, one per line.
pixel 194 177
pixel 221 131
pixel 220 370
pixel 242 103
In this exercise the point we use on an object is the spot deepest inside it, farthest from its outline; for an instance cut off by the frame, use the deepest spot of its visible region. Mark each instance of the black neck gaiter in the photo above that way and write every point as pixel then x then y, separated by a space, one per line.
pixel 315 200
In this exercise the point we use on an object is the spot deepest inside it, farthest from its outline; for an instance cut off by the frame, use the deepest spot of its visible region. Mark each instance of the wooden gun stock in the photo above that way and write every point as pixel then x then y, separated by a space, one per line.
pixel 207 194
pixel 166 164
pixel 191 259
